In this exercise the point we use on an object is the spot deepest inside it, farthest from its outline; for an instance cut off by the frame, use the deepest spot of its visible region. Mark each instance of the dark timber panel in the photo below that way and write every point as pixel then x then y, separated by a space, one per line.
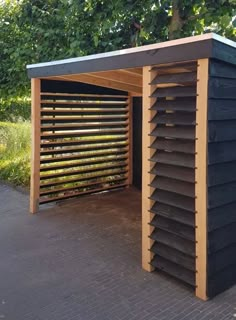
pixel 174 171
pixel 137 142
pixel 221 176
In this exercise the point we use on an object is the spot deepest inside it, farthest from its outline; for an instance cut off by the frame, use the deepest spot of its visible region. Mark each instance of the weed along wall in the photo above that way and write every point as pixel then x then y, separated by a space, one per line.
pixel 87 126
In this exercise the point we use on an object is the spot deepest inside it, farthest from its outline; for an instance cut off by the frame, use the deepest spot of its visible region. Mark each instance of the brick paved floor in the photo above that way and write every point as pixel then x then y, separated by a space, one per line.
pixel 81 260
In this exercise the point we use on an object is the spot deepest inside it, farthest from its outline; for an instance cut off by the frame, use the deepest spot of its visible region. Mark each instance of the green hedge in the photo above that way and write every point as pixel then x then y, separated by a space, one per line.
pixel 15 109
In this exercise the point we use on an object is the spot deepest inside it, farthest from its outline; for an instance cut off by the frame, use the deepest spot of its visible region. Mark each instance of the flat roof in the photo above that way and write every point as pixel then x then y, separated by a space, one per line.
pixel 190 48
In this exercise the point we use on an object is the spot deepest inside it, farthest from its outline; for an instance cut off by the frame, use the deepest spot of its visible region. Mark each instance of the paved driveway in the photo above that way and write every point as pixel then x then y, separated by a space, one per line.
pixel 81 260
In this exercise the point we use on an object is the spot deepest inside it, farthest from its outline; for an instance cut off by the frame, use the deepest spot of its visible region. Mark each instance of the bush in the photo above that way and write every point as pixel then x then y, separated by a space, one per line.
pixel 15 109
pixel 15 152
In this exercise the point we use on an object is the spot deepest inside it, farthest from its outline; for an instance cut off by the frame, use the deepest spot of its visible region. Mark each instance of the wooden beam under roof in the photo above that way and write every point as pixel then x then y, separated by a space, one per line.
pixel 120 76
pixel 95 80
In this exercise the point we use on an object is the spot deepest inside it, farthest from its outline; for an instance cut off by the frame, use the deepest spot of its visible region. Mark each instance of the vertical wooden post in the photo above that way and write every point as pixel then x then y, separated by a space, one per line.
pixel 201 178
pixel 130 119
pixel 35 144
pixel 147 152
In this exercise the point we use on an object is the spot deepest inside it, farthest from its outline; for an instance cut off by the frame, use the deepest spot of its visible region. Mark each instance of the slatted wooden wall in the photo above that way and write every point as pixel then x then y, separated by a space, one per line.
pixel 221 177
pixel 84 144
pixel 172 169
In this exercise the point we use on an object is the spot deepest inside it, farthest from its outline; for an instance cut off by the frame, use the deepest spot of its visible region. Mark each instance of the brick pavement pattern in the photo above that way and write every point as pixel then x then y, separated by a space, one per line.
pixel 81 260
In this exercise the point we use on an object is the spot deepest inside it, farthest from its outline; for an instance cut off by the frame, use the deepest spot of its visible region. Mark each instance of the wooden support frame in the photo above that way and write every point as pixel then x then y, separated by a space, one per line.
pixel 201 178
pixel 130 125
pixel 100 81
pixel 147 177
pixel 35 145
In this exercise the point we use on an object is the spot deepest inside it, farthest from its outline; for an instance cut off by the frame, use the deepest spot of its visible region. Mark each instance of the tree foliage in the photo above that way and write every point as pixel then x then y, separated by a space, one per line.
pixel 36 30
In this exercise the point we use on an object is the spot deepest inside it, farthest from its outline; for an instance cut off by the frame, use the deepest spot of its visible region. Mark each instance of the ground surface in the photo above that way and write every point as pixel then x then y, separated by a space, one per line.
pixel 81 260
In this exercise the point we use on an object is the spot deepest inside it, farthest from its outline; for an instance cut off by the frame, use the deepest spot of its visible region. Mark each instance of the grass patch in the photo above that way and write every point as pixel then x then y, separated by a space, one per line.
pixel 15 152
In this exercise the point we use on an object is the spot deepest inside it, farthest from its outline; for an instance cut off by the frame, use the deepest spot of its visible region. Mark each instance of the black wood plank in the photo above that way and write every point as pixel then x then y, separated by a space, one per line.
pixel 221 259
pixel 221 152
pixel 174 158
pixel 175 92
pixel 221 216
pixel 175 172
pixel 175 118
pixel 178 78
pixel 190 66
pixel 174 213
pixel 173 199
pixel 174 270
pixel 174 255
pixel 179 229
pixel 222 130
pixel 223 52
pixel 221 109
pixel 221 194
pixel 171 240
pixel 221 238
pixel 219 88
pixel 221 173
pixel 179 132
pixel 222 69
pixel 173 185
pixel 221 281
pixel 179 104
pixel 174 145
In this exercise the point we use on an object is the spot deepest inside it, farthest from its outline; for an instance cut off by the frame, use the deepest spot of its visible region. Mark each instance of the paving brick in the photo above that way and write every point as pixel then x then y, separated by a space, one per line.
pixel 81 260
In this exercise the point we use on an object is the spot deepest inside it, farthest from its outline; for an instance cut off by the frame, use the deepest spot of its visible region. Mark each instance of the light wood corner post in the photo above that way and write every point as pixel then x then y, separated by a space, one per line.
pixel 201 178
pixel 147 152
pixel 35 145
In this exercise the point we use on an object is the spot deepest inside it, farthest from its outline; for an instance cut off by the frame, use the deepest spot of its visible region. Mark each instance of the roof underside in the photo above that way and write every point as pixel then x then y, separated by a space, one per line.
pixel 122 70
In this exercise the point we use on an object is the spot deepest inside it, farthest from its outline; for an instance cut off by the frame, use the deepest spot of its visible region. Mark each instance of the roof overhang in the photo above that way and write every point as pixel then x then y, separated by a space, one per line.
pixel 122 69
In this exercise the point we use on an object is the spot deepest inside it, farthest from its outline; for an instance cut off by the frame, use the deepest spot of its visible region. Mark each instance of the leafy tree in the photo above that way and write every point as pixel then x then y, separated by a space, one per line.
pixel 36 30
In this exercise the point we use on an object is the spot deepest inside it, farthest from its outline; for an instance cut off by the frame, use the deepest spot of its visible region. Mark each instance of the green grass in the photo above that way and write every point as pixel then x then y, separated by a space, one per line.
pixel 15 152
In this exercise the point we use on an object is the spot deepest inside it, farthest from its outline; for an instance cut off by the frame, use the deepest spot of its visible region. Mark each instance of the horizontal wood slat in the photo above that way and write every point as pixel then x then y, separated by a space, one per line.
pixel 174 213
pixel 174 132
pixel 172 145
pixel 173 170
pixel 174 255
pixel 174 269
pixel 174 241
pixel 179 104
pixel 80 193
pixel 174 158
pixel 179 78
pixel 175 92
pixel 172 185
pixel 84 144
pixel 185 119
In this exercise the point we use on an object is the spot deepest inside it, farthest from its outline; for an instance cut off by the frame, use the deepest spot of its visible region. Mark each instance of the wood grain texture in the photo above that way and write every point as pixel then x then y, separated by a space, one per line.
pixel 35 145
pixel 201 179
pixel 147 140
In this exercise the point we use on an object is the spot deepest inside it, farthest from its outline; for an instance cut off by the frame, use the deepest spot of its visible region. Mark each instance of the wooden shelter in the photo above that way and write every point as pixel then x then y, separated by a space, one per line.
pixel 82 111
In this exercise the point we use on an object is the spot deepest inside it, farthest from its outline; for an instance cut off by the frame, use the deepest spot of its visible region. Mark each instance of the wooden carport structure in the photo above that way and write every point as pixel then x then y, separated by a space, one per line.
pixel 82 143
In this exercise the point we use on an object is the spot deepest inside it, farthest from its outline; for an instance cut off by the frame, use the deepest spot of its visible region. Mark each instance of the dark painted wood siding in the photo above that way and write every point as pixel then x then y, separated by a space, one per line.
pixel 137 142
pixel 221 177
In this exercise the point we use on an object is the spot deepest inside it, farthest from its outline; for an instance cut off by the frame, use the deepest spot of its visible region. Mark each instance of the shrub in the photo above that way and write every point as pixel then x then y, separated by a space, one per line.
pixel 15 152
pixel 15 109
